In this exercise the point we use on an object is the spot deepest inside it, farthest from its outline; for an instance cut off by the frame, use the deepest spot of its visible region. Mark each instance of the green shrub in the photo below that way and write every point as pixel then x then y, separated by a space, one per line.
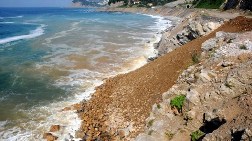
pixel 158 106
pixel 178 102
pixel 243 47
pixel 196 135
pixel 115 1
pixel 150 132
pixel 195 58
pixel 150 123
pixel 209 4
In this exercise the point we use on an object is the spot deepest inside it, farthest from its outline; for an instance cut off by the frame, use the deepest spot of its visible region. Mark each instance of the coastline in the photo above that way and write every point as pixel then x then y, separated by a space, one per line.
pixel 135 64
pixel 119 107
pixel 94 111
pixel 109 109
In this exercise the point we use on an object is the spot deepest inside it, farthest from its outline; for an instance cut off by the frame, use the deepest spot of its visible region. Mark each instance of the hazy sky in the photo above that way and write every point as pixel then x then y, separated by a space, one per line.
pixel 35 3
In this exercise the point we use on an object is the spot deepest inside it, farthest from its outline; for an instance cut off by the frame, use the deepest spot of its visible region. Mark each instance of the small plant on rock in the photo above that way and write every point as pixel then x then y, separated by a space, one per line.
pixel 228 85
pixel 158 106
pixel 150 132
pixel 195 58
pixel 196 135
pixel 178 102
pixel 169 135
pixel 150 123
pixel 243 47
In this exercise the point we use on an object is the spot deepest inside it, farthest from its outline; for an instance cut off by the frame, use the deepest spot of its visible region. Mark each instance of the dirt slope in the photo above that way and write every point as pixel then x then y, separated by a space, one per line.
pixel 125 101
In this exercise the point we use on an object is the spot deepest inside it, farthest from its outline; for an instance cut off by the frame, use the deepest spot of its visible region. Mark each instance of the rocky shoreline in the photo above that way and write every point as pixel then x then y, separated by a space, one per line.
pixel 217 92
pixel 119 108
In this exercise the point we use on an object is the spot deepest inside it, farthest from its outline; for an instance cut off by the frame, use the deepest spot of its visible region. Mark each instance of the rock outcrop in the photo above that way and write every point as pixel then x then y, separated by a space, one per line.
pixel 196 27
pixel 218 94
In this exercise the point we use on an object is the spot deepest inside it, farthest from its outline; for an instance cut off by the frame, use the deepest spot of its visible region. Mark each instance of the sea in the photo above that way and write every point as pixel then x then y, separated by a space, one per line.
pixel 52 58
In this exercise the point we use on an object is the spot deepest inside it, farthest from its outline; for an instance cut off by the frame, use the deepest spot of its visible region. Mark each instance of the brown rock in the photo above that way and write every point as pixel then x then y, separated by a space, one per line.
pixel 244 57
pixel 77 106
pixel 66 109
pixel 45 135
pixel 121 134
pixel 54 128
pixel 49 137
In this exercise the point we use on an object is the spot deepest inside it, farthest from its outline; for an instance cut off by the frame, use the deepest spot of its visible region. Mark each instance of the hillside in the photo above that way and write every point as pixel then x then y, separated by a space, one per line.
pixel 93 3
pixel 208 4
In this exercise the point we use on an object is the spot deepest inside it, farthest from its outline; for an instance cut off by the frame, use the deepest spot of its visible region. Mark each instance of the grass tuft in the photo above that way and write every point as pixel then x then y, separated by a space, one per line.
pixel 195 58
pixel 150 132
pixel 178 102
pixel 196 135
pixel 150 123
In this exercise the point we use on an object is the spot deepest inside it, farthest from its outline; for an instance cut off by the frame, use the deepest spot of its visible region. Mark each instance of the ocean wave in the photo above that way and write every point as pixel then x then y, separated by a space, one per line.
pixel 3 98
pixel 24 23
pixel 33 128
pixel 80 77
pixel 12 17
pixel 7 22
pixel 84 11
pixel 34 33
pixel 2 124
pixel 83 82
pixel 113 43
pixel 74 26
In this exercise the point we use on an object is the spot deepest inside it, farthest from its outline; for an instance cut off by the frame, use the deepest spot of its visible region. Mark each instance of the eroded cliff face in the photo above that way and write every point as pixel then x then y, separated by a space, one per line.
pixel 217 94
pixel 239 4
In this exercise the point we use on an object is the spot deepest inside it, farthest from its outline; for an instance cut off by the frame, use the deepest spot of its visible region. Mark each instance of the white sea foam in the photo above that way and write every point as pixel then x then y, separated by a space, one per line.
pixel 34 33
pixel 80 77
pixel 3 98
pixel 73 27
pixel 161 25
pixel 12 17
pixel 7 22
pixel 40 119
pixel 112 43
pixel 2 124
pixel 51 114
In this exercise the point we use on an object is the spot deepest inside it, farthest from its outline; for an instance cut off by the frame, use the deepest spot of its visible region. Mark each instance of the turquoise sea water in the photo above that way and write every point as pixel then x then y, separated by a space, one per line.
pixel 51 58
